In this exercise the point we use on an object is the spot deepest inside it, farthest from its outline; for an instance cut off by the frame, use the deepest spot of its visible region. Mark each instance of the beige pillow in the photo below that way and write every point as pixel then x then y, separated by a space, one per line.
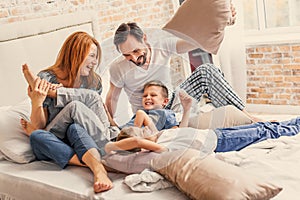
pixel 210 178
pixel 202 22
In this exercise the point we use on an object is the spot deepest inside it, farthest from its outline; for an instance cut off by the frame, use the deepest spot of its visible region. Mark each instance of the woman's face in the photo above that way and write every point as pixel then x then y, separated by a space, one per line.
pixel 90 61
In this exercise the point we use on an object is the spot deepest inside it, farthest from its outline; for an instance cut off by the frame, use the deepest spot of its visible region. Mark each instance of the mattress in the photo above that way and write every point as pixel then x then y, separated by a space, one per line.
pixel 45 180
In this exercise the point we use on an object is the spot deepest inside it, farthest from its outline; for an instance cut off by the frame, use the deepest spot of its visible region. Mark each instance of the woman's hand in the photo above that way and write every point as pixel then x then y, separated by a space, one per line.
pixel 39 92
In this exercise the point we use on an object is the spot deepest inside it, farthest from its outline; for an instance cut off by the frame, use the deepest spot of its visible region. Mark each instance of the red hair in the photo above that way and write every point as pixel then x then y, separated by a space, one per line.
pixel 71 56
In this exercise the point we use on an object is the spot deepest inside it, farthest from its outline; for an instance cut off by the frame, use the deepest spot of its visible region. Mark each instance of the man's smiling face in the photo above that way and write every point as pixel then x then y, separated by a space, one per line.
pixel 135 51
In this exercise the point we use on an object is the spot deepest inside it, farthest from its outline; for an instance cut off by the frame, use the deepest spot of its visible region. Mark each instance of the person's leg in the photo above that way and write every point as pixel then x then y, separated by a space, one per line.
pixel 208 79
pixel 222 117
pixel 88 152
pixel 88 97
pixel 239 137
pixel 77 112
pixel 46 146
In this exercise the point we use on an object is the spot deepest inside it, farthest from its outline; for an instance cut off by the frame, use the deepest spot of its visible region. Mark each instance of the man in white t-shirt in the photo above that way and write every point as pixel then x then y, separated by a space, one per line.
pixel 143 61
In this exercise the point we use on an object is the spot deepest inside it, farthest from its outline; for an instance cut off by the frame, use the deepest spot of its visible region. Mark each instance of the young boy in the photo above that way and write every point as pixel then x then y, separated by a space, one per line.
pixel 144 130
pixel 154 115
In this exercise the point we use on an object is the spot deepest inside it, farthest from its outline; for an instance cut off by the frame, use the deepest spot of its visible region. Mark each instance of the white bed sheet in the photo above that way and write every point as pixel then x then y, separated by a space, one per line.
pixel 45 180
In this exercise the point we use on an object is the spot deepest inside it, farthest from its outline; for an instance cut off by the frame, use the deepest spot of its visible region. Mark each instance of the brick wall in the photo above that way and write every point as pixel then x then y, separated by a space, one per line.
pixel 273 74
pixel 110 13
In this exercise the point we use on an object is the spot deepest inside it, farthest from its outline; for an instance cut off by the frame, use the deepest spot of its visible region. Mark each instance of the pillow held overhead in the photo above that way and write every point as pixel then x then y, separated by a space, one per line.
pixel 201 22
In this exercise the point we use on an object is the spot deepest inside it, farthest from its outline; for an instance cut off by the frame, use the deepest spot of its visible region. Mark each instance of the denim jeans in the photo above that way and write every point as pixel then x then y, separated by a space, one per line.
pixel 46 146
pixel 238 137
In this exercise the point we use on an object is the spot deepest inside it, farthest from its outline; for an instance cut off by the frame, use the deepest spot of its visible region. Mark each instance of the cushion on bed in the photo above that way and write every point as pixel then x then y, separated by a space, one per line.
pixel 202 22
pixel 14 144
pixel 210 178
pixel 129 163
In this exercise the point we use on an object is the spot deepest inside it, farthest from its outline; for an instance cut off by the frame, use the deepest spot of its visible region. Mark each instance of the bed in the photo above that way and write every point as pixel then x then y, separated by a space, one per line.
pixel 36 42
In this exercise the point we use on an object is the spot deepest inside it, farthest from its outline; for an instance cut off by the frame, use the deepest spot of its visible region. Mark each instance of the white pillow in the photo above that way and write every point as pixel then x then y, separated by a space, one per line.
pixel 14 144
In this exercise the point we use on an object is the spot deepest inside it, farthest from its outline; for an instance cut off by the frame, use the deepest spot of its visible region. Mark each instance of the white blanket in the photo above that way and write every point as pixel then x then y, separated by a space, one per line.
pixel 277 160
pixel 147 181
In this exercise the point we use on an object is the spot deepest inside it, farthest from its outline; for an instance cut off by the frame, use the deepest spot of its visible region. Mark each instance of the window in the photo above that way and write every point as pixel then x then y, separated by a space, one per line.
pixel 264 14
pixel 277 20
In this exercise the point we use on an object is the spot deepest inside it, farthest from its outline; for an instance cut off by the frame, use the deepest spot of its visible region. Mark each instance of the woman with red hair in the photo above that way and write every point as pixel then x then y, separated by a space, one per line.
pixel 51 137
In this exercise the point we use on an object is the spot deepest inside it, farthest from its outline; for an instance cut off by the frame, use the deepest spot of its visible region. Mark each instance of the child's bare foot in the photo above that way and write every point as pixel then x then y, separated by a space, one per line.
pixel 102 182
pixel 185 99
pixel 29 76
pixel 28 128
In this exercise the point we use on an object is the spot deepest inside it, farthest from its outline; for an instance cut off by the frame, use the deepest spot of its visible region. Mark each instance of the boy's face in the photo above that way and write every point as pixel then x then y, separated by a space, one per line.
pixel 153 98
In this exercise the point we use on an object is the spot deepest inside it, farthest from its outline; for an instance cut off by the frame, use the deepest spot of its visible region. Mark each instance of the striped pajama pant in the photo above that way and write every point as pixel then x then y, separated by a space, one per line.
pixel 208 79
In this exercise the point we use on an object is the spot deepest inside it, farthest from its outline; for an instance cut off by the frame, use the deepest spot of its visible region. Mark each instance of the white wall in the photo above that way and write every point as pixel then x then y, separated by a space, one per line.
pixel 231 56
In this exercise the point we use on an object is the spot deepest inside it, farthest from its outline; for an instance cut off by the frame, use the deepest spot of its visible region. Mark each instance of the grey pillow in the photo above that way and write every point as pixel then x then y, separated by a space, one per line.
pixel 129 163
pixel 14 144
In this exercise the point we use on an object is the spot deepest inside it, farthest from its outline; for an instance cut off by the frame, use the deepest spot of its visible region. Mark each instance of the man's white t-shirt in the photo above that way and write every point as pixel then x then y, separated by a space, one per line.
pixel 125 74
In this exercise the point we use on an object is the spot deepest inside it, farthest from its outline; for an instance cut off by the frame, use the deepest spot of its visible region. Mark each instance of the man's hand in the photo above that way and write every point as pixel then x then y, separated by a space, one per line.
pixel 233 14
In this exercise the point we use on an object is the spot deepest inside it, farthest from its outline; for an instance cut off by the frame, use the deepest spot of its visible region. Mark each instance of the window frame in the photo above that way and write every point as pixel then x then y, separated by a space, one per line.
pixel 270 35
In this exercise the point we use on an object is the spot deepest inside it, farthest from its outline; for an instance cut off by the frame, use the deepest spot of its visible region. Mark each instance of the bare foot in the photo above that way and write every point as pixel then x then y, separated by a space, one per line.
pixel 28 128
pixel 29 76
pixel 102 182
pixel 185 99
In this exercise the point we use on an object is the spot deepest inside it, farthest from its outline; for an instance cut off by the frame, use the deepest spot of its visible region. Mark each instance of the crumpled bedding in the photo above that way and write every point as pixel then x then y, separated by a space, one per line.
pixel 147 181
pixel 278 160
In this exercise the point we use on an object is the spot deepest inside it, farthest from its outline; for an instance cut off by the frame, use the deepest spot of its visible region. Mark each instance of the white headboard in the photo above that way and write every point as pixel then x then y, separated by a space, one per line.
pixel 35 42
